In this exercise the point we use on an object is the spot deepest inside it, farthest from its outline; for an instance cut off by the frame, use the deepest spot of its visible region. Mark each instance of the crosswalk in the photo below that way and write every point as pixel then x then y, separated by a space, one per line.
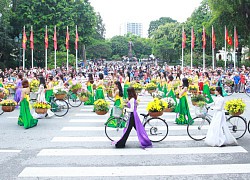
pixel 82 151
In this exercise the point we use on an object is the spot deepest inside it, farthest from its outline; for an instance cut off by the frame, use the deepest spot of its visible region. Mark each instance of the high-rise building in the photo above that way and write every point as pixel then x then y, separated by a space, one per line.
pixel 133 28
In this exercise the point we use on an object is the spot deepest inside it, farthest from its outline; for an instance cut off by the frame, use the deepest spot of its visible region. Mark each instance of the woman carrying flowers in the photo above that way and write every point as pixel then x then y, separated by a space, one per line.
pixel 183 116
pixel 206 89
pixel 164 84
pixel 99 94
pixel 90 89
pixel 171 88
pixel 134 121
pixel 218 133
pixel 49 90
pixel 25 118
pixel 159 84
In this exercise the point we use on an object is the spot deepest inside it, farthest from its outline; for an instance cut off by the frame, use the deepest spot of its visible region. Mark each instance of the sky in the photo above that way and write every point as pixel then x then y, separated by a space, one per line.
pixel 117 12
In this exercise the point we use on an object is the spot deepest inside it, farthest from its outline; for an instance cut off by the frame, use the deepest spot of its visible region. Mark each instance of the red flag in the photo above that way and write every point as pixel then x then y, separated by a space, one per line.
pixel 184 38
pixel 24 39
pixel 67 39
pixel 55 40
pixel 31 40
pixel 213 38
pixel 204 39
pixel 236 40
pixel 192 38
pixel 76 41
pixel 229 39
pixel 46 40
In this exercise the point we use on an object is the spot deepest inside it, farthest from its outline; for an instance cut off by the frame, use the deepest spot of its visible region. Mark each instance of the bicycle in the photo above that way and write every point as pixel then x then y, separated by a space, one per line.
pixel 73 99
pixel 156 128
pixel 197 129
pixel 58 106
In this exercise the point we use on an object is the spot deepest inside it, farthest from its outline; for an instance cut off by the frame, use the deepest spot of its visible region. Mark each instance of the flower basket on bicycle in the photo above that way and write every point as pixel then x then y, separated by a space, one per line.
pixel 60 96
pixel 84 95
pixel 8 105
pixel 59 93
pixel 235 107
pixel 41 107
pixel 101 107
pixel 74 88
pixel 41 111
pixel 171 104
pixel 155 108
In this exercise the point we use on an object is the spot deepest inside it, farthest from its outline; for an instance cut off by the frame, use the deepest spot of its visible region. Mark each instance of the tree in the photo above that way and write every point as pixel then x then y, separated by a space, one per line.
pixel 99 49
pixel 52 13
pixel 154 25
pixel 61 60
pixel 232 13
pixel 119 45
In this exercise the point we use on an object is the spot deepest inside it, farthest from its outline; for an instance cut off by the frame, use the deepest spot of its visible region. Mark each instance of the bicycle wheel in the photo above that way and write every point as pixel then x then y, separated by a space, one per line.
pixel 114 128
pixel 197 129
pixel 59 107
pixel 249 126
pixel 228 89
pixel 156 129
pixel 73 100
pixel 237 126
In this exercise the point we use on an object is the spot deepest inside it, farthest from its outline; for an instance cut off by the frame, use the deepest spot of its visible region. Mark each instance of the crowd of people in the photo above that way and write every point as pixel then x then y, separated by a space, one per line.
pixel 171 81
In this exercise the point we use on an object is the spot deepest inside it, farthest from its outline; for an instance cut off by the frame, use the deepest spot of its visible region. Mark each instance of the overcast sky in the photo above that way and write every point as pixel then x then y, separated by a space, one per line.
pixel 117 12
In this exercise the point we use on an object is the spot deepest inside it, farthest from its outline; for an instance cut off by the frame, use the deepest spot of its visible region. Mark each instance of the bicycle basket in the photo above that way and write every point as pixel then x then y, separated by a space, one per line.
pixel 201 111
pixel 117 112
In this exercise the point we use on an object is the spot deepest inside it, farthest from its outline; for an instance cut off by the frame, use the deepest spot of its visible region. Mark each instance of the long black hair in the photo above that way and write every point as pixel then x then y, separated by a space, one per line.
pixel 91 79
pixel 219 89
pixel 185 82
pixel 42 81
pixel 131 93
pixel 120 88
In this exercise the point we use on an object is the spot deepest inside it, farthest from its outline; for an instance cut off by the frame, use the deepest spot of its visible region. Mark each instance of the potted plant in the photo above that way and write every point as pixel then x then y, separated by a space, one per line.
pixel 41 107
pixel 75 87
pixel 84 95
pixel 151 87
pixel 101 107
pixel 137 86
pixel 171 104
pixel 212 89
pixel 235 107
pixel 197 98
pixel 60 93
pixel 8 105
pixel 193 89
pixel 155 108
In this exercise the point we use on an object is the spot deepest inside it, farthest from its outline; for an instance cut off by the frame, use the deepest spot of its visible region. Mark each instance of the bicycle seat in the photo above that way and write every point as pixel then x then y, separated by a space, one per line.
pixel 144 115
pixel 226 113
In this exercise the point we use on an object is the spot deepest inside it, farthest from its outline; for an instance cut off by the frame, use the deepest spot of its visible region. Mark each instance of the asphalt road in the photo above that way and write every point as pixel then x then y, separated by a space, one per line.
pixel 75 147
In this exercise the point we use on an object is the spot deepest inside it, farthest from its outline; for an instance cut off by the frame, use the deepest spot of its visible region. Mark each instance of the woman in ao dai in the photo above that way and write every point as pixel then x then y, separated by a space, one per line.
pixel 218 132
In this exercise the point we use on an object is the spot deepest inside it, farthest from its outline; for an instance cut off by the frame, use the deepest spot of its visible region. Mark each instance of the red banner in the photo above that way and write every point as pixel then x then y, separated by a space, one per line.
pixel 31 40
pixel 24 39
pixel 184 38
pixel 55 40
pixel 204 39
pixel 46 40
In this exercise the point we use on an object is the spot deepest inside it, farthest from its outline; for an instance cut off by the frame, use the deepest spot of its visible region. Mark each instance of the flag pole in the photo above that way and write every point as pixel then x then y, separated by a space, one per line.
pixel 192 48
pixel 225 53
pixel 213 46
pixel 182 51
pixel 54 46
pixel 46 53
pixel 67 52
pixel 32 51
pixel 204 36
pixel 234 48
pixel 24 52
pixel 76 48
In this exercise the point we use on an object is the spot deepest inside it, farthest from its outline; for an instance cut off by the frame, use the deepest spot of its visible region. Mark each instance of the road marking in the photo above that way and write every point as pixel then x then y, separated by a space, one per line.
pixel 135 170
pixel 170 128
pixel 105 139
pixel 91 113
pixel 9 151
pixel 141 152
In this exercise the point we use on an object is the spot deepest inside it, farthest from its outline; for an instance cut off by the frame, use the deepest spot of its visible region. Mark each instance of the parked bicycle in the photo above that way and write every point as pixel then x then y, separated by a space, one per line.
pixel 197 129
pixel 73 99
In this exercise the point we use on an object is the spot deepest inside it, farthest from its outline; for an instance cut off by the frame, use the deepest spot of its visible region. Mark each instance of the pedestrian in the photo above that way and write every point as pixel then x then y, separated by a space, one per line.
pixel 134 121
pixel 218 132
pixel 242 82
pixel 236 82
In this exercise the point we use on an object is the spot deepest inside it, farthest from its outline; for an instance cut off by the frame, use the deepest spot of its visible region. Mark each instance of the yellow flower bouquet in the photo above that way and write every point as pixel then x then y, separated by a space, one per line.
pixel 41 105
pixel 9 86
pixel 235 107
pixel 155 108
pixel 75 87
pixel 101 106
pixel 151 86
pixel 34 84
pixel 137 86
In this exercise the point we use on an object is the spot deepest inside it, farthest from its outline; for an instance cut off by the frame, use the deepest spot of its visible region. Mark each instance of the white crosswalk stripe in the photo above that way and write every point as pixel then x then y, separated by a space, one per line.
pixel 84 130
